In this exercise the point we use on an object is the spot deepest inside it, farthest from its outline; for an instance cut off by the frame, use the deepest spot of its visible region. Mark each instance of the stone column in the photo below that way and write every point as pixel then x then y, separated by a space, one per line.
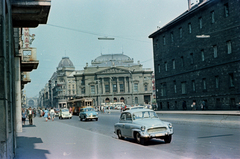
pixel 18 95
pixel 125 85
pixel 118 87
pixel 110 84
pixel 103 86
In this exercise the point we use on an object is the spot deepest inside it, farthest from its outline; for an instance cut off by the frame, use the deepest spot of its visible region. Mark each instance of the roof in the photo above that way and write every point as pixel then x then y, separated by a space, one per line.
pixel 65 62
pixel 137 110
pixel 106 60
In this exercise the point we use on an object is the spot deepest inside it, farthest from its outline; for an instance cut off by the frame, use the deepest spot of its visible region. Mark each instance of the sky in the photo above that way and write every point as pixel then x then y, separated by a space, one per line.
pixel 74 26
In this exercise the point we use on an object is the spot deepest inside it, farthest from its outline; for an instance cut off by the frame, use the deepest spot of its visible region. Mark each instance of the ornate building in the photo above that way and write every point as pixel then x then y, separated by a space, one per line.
pixel 115 78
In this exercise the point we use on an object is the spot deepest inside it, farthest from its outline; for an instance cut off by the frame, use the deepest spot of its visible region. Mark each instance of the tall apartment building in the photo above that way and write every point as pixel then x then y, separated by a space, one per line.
pixel 197 57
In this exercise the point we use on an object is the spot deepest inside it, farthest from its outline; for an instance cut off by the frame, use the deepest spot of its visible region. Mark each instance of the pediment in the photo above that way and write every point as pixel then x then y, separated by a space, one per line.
pixel 113 70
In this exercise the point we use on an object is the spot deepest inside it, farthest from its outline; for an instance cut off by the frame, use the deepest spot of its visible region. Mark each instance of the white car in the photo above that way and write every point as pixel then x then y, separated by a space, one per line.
pixel 142 125
pixel 64 113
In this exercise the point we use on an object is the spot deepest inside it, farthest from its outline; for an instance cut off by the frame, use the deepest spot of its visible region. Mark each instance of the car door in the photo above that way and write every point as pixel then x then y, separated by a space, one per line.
pixel 128 125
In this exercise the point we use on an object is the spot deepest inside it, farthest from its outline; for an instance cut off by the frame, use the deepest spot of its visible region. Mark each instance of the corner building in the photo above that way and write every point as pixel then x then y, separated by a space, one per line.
pixel 115 78
pixel 196 57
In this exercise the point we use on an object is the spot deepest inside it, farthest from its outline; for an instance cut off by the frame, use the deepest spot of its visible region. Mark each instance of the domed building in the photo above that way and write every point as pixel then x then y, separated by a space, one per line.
pixel 115 78
pixel 60 87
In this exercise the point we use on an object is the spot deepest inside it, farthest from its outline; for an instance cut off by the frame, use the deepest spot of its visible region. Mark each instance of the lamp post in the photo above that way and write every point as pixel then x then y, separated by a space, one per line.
pixel 98 92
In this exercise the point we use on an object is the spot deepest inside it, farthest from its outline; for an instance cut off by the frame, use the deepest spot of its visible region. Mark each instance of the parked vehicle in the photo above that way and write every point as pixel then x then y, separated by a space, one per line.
pixel 64 113
pixel 56 110
pixel 142 125
pixel 88 113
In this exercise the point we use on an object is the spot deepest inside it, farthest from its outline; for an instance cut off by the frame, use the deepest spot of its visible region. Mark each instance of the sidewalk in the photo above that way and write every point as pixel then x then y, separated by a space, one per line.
pixel 59 140
pixel 204 112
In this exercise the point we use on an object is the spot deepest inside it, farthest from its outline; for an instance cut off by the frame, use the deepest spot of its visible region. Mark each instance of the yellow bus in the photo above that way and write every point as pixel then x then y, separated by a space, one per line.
pixel 77 103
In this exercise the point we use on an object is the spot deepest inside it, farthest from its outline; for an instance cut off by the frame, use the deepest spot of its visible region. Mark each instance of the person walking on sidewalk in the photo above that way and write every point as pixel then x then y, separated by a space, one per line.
pixel 52 112
pixel 24 115
pixel 46 114
pixel 30 112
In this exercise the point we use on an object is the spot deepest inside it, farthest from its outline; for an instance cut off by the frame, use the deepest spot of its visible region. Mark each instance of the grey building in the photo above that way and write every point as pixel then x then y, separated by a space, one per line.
pixel 115 78
pixel 196 57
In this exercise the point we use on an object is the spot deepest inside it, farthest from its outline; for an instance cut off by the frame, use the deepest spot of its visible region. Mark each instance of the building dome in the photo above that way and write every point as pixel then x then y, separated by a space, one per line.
pixel 65 62
pixel 112 60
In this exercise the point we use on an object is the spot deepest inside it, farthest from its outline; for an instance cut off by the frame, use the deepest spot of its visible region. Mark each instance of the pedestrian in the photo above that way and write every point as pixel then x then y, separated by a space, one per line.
pixel 184 105
pixel 70 110
pixel 52 114
pixel 203 105
pixel 30 112
pixel 193 106
pixel 46 114
pixel 34 112
pixel 24 115
pixel 40 112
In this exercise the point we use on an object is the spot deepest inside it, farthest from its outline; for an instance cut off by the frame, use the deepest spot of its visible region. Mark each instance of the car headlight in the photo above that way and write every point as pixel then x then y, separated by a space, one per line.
pixel 143 128
pixel 170 126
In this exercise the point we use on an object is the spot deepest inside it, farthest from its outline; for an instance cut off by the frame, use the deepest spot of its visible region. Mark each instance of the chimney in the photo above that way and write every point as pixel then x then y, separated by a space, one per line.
pixel 189 5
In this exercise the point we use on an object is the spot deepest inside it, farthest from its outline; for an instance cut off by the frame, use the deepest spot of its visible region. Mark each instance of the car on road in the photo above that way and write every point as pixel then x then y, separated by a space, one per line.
pixel 142 125
pixel 88 113
pixel 64 113
pixel 56 110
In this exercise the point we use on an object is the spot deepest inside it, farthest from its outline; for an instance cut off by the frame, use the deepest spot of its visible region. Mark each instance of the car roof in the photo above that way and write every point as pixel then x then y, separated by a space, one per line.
pixel 136 110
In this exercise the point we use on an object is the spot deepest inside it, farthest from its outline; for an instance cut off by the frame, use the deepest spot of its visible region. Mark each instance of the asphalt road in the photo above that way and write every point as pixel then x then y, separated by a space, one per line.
pixel 195 136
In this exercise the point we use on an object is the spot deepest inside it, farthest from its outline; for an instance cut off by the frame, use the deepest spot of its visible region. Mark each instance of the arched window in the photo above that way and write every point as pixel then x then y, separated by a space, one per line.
pixel 136 100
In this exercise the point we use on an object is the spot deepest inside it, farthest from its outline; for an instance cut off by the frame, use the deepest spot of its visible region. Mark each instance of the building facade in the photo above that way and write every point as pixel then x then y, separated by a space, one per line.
pixel 115 78
pixel 196 57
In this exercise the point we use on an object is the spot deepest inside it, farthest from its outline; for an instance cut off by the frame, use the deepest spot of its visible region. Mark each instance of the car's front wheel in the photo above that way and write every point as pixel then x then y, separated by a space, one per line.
pixel 80 119
pixel 168 139
pixel 139 139
pixel 119 134
pixel 96 119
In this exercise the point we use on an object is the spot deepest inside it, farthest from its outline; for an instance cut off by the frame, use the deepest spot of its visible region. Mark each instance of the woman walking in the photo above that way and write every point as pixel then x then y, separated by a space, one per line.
pixel 24 115
pixel 46 114
pixel 52 112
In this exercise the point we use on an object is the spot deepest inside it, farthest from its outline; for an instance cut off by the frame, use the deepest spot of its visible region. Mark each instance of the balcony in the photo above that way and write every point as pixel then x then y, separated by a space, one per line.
pixel 25 78
pixel 29 60
pixel 30 13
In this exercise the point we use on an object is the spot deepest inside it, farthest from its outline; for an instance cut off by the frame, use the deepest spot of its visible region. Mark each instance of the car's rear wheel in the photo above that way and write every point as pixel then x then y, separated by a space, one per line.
pixel 168 139
pixel 96 119
pixel 139 139
pixel 119 134
pixel 80 119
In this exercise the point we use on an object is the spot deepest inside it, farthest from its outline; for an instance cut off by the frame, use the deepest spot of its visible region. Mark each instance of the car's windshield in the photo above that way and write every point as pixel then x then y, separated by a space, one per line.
pixel 144 115
pixel 64 110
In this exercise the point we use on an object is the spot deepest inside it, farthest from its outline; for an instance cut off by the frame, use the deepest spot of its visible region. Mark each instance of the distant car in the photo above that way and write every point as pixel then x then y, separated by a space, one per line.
pixel 88 113
pixel 56 110
pixel 64 113
pixel 135 107
pixel 142 125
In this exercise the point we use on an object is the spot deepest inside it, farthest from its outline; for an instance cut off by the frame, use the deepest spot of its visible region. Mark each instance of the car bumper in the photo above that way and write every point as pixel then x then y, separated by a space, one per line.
pixel 156 135
pixel 92 117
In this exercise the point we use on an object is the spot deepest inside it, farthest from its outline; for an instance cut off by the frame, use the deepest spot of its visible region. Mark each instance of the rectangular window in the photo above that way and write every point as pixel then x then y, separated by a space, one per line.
pixel 145 87
pixel 161 89
pixel 193 86
pixel 182 59
pixel 135 87
pixel 229 47
pixel 216 82
pixel 121 88
pixel 183 87
pixel 159 68
pixel 172 40
pixel 202 53
pixel 107 90
pixel 165 66
pixel 212 16
pixel 226 10
pixel 174 64
pixel 175 86
pixel 83 90
pixel 204 84
pixel 114 87
pixel 190 28
pixel 164 40
pixel 180 32
pixel 191 58
pixel 231 79
pixel 200 22
pixel 92 89
pixel 215 51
